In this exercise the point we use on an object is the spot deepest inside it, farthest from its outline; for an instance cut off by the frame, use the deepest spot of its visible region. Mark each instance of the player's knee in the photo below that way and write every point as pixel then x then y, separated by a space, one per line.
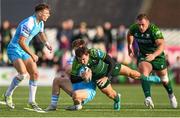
pixel 76 97
pixel 56 80
pixel 35 75
pixel 165 79
pixel 20 77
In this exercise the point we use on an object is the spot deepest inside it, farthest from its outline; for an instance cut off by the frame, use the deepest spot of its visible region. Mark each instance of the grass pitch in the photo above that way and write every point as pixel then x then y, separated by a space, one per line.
pixel 101 106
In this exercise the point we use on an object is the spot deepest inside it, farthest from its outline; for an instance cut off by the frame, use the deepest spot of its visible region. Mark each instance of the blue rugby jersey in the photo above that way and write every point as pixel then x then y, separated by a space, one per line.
pixel 28 28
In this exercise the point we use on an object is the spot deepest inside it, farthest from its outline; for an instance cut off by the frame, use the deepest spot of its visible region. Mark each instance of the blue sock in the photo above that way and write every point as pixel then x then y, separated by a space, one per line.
pixel 54 100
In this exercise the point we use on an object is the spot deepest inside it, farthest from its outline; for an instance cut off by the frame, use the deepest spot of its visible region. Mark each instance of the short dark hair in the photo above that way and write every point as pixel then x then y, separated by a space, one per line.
pixel 79 52
pixel 142 16
pixel 41 6
pixel 78 42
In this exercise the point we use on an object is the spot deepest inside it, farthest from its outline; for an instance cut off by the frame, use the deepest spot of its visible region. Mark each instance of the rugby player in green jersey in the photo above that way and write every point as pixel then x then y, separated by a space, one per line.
pixel 151 56
pixel 80 91
pixel 103 68
pixel 75 88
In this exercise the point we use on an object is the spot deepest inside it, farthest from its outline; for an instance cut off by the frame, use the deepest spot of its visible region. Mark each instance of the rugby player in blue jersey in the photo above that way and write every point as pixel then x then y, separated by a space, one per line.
pixel 23 59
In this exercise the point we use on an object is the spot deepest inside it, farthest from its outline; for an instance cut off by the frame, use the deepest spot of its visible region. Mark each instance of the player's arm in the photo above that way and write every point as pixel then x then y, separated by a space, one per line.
pixel 130 39
pixel 74 77
pixel 159 41
pixel 44 40
pixel 160 48
pixel 100 55
pixel 23 45
pixel 25 31
pixel 111 65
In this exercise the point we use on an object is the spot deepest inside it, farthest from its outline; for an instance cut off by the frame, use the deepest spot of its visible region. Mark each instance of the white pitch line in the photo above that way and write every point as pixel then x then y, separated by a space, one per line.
pixel 39 111
pixel 94 104
pixel 147 110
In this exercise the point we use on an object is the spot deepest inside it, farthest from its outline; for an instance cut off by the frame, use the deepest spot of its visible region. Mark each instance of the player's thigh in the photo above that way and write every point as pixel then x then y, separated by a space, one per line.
pixel 81 94
pixel 145 68
pixel 20 66
pixel 15 56
pixel 127 71
pixel 85 95
pixel 31 66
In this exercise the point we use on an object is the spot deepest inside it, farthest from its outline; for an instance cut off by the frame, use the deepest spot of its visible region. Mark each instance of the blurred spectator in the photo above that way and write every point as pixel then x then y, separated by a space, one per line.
pixel 167 61
pixel 62 35
pixel 47 58
pixel 65 30
pixel 177 63
pixel 121 39
pixel 1 62
pixel 99 39
pixel 38 47
pixel 64 43
pixel 6 36
pixel 64 38
pixel 70 30
pixel 82 33
pixel 176 69
pixel 109 38
pixel 57 59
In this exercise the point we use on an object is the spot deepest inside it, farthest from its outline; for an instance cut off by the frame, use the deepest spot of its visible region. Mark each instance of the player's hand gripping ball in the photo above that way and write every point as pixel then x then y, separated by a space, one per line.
pixel 85 73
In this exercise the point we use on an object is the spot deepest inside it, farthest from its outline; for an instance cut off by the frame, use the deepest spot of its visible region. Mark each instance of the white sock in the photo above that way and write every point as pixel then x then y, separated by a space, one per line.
pixel 14 84
pixel 78 106
pixel 32 90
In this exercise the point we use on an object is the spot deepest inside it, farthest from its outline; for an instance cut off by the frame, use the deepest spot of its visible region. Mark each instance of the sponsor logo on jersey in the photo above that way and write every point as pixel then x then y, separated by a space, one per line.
pixel 136 35
pixel 25 29
pixel 147 35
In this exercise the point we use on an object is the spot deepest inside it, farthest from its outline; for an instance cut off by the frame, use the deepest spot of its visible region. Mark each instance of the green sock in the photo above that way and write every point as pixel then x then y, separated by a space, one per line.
pixel 116 99
pixel 168 87
pixel 146 86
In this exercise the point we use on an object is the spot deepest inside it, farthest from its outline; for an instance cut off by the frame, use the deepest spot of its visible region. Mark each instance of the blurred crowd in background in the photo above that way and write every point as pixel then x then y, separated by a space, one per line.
pixel 104 38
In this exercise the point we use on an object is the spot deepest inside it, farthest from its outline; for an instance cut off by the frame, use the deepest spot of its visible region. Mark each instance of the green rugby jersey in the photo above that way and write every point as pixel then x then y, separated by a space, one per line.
pixel 75 67
pixel 146 40
pixel 96 63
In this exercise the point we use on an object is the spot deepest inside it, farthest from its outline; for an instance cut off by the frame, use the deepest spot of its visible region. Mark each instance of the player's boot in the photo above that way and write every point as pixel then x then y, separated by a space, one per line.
pixel 149 103
pixel 74 107
pixel 34 107
pixel 173 100
pixel 154 79
pixel 51 108
pixel 117 104
pixel 9 102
